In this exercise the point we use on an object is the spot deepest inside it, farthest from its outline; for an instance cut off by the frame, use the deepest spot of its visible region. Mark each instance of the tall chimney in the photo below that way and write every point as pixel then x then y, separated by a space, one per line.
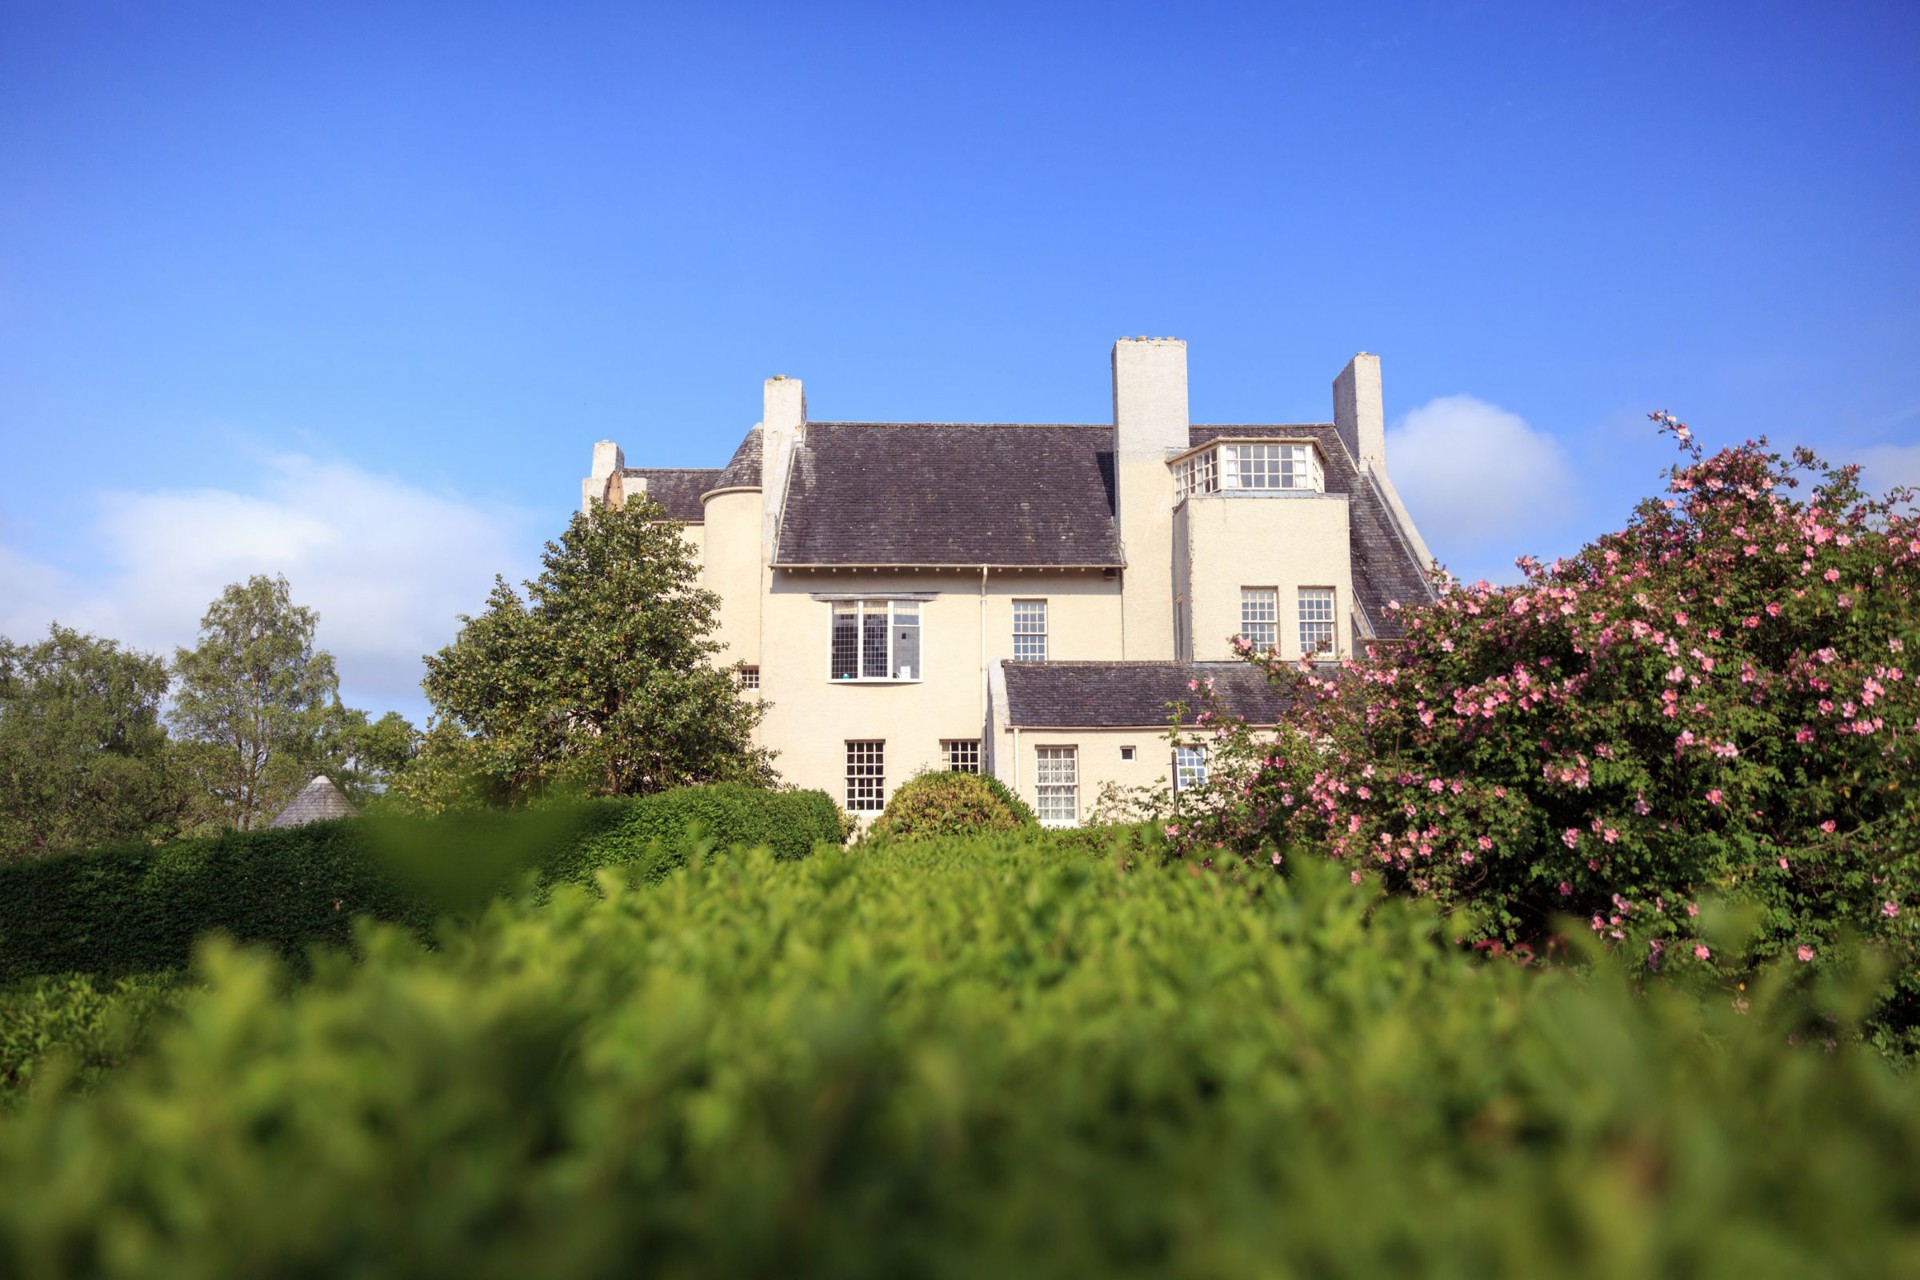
pixel 1358 412
pixel 1149 426
pixel 783 423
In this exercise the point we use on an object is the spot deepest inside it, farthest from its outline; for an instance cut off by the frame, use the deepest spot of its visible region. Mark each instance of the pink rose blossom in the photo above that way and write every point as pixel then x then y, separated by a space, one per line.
pixel 1889 909
pixel 1805 953
pixel 1700 951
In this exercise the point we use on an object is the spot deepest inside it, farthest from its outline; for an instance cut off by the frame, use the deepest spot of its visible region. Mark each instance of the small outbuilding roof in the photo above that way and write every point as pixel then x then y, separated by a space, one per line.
pixel 1133 695
pixel 318 801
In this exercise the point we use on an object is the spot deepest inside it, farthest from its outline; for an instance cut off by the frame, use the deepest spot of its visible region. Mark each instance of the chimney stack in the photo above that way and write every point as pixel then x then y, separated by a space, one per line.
pixel 783 425
pixel 1359 414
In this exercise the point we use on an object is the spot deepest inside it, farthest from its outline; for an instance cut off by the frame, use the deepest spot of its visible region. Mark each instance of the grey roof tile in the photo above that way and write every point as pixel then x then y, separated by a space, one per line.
pixel 678 489
pixel 743 470
pixel 1128 695
pixel 888 493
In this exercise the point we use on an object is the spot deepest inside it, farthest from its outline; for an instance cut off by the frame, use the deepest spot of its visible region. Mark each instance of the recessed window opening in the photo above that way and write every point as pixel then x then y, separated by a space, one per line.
pixel 1189 768
pixel 1260 616
pixel 1029 630
pixel 749 677
pixel 1057 786
pixel 963 754
pixel 867 775
pixel 1316 621
pixel 876 640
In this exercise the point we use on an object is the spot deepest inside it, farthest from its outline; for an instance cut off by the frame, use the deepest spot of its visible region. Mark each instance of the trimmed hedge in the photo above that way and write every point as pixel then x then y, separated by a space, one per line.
pixel 140 909
pixel 952 1058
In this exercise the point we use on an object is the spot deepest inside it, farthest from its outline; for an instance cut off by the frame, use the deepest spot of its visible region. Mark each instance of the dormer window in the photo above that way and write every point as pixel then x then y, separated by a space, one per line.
pixel 1251 467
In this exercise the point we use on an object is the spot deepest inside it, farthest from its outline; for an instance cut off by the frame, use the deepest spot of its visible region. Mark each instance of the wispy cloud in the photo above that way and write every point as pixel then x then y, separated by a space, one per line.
pixel 388 565
pixel 1482 484
pixel 1884 466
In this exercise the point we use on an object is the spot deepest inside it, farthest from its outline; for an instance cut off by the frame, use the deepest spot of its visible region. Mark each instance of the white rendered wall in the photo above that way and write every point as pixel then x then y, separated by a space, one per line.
pixel 1265 541
pixel 1149 426
pixel 734 571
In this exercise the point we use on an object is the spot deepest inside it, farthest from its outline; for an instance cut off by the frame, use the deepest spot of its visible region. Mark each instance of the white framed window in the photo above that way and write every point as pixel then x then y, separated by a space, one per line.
pixel 1126 753
pixel 875 640
pixel 963 754
pixel 1057 785
pixel 866 775
pixel 1316 621
pixel 1029 630
pixel 1189 768
pixel 1260 616
pixel 1270 467
pixel 749 677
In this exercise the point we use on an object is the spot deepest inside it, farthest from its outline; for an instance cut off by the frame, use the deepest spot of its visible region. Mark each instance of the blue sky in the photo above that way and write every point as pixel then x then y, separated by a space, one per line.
pixel 348 291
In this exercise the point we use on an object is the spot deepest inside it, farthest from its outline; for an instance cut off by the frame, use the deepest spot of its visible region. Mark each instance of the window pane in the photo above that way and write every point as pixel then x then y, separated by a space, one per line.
pixel 1029 630
pixel 1316 620
pixel 846 642
pixel 873 639
pixel 866 776
pixel 906 640
pixel 1260 616
pixel 1189 768
pixel 1057 784
pixel 963 755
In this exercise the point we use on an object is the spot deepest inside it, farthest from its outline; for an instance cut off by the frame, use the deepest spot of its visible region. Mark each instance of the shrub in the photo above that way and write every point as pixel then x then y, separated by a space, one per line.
pixel 1712 700
pixel 88 1026
pixel 138 910
pixel 951 804
pixel 967 1058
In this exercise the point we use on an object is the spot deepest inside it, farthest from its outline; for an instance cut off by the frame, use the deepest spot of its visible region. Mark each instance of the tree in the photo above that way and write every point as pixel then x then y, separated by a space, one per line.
pixel 84 758
pixel 256 701
pixel 601 682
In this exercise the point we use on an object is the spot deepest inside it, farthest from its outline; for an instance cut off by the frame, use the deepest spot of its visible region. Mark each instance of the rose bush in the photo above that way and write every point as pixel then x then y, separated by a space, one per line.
pixel 1714 701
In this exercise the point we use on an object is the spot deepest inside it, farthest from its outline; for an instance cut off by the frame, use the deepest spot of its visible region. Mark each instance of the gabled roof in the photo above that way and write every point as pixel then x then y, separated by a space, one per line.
pixel 678 489
pixel 318 801
pixel 1132 695
pixel 1385 568
pixel 891 493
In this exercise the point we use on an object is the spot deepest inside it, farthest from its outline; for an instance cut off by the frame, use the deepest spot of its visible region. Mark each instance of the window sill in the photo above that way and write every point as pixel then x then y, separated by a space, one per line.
pixel 875 680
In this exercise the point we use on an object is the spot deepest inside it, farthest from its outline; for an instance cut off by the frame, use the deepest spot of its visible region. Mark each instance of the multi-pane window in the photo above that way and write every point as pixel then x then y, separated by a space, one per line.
pixel 1029 630
pixel 749 677
pixel 867 776
pixel 1189 768
pixel 1316 620
pixel 1057 784
pixel 1270 467
pixel 876 640
pixel 1260 616
pixel 963 755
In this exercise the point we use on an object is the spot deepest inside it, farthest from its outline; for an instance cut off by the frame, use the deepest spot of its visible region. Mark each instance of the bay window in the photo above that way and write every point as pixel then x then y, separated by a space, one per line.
pixel 876 640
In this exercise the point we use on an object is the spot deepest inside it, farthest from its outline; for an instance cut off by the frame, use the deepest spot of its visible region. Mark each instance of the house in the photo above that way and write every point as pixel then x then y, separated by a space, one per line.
pixel 1027 599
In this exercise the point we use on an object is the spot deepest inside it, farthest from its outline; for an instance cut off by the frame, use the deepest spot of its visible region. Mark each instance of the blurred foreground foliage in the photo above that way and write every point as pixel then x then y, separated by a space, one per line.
pixel 971 1057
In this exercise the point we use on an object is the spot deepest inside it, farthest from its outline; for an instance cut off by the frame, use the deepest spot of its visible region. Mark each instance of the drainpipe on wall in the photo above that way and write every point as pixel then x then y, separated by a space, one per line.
pixel 985 728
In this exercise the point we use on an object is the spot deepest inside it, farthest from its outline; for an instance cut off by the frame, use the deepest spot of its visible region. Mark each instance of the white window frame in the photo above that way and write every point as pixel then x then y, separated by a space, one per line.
pixel 750 678
pixel 1056 785
pixel 866 775
pixel 1029 630
pixel 1260 616
pixel 1189 768
pixel 1252 466
pixel 962 754
pixel 896 614
pixel 1320 622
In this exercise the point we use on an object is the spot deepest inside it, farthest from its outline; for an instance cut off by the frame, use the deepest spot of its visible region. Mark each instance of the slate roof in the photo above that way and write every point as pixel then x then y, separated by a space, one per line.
pixel 1131 695
pixel 743 471
pixel 888 493
pixel 678 489
pixel 1384 566
pixel 318 801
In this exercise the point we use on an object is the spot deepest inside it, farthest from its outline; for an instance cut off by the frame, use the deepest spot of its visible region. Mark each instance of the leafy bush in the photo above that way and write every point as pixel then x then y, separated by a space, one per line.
pixel 947 1058
pixel 139 910
pixel 950 803
pixel 1712 700
pixel 90 1025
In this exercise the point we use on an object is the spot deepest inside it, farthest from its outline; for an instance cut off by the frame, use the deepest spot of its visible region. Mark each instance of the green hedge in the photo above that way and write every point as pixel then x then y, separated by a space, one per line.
pixel 140 910
pixel 959 1059
pixel 91 1025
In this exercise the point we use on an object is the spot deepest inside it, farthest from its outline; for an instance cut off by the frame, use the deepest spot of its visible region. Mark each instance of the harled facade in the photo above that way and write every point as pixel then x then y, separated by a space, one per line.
pixel 1026 599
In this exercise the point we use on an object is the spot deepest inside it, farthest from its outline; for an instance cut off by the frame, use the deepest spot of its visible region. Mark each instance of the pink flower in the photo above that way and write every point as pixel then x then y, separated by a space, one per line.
pixel 1827 826
pixel 1693 908
pixel 1566 890
pixel 1716 796
pixel 1485 843
pixel 1570 837
pixel 1700 951
pixel 1805 953
pixel 1889 909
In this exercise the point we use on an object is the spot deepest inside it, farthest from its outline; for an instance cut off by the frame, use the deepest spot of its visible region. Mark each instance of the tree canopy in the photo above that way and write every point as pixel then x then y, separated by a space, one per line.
pixel 84 757
pixel 256 701
pixel 600 682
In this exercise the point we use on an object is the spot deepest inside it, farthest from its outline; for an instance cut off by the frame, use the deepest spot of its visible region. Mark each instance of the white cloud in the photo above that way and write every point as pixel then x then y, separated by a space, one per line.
pixel 1888 465
pixel 387 564
pixel 1478 480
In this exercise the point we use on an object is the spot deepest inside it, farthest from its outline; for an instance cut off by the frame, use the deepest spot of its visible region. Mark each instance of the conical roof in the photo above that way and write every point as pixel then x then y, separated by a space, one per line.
pixel 743 470
pixel 318 801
